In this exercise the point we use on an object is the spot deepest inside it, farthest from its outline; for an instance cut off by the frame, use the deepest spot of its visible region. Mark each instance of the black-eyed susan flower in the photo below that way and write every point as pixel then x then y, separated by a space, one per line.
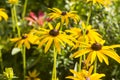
pixel 103 2
pixel 85 75
pixel 85 33
pixel 3 14
pixel 64 15
pixel 25 40
pixel 33 75
pixel 98 50
pixel 53 36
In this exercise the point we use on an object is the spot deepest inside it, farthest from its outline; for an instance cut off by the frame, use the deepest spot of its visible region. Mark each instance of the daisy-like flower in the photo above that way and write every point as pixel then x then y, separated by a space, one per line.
pixel 33 75
pixel 64 15
pixel 25 40
pixel 3 14
pixel 97 49
pixel 86 33
pixel 53 36
pixel 85 75
pixel 103 2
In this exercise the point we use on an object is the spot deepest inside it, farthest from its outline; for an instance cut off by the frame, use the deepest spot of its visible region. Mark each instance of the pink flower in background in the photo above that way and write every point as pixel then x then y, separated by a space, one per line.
pixel 34 19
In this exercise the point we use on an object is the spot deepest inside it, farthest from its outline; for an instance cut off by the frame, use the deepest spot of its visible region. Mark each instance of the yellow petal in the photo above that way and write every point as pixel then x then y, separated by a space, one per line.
pixel 48 44
pixel 93 56
pixel 57 45
pixel 57 26
pixel 80 53
pixel 26 43
pixel 50 26
pixel 112 54
pixel 43 41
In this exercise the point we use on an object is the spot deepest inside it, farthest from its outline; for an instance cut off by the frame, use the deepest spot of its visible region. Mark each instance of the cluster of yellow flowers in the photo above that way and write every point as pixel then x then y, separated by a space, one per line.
pixel 87 39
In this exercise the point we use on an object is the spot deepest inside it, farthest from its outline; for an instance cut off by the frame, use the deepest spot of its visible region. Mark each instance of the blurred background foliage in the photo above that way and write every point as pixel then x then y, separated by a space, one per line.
pixel 106 20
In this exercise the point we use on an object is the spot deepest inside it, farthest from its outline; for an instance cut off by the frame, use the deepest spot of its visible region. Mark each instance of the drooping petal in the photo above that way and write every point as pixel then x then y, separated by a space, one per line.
pixel 57 45
pixel 27 44
pixel 48 44
pixel 112 54
pixel 80 53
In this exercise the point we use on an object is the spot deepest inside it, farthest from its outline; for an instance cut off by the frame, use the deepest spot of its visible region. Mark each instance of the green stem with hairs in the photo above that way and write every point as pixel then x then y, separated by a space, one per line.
pixel 13 19
pixel 24 9
pixel 89 14
pixel 54 73
pixel 16 20
pixel 24 61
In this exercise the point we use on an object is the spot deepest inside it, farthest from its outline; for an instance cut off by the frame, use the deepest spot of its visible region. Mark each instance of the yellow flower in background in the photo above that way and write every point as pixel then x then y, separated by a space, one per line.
pixel 25 40
pixel 33 75
pixel 13 1
pixel 103 2
pixel 9 73
pixel 53 36
pixel 98 50
pixel 64 15
pixel 3 14
pixel 86 33
pixel 85 75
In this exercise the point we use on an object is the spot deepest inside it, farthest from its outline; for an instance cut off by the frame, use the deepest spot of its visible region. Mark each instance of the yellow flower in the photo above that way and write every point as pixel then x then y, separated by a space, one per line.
pixel 9 73
pixel 25 40
pixel 85 75
pixel 79 33
pixel 33 75
pixel 103 2
pixel 3 14
pixel 53 36
pixel 97 49
pixel 64 15
pixel 13 1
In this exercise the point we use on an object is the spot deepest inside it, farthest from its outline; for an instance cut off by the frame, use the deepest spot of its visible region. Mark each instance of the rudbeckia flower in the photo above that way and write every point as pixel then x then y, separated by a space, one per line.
pixel 33 75
pixel 85 75
pixel 53 36
pixel 86 33
pixel 64 15
pixel 25 40
pixel 103 2
pixel 3 14
pixel 34 19
pixel 98 50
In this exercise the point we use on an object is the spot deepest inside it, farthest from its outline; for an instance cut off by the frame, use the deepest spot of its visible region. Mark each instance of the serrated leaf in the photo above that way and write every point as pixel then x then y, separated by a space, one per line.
pixel 15 51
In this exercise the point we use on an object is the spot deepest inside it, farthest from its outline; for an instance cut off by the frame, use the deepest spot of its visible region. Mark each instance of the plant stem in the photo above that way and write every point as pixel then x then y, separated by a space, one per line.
pixel 95 66
pixel 16 21
pixel 54 73
pixel 1 61
pixel 24 9
pixel 13 19
pixel 24 61
pixel 89 14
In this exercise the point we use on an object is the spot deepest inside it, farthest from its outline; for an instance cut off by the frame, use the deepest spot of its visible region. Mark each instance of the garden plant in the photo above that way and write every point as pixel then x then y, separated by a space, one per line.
pixel 59 40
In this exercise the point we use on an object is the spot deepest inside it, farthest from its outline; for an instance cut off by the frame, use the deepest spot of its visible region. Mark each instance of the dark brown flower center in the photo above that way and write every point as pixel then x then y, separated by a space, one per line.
pixel 85 32
pixel 63 13
pixel 96 46
pixel 54 32
pixel 24 36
